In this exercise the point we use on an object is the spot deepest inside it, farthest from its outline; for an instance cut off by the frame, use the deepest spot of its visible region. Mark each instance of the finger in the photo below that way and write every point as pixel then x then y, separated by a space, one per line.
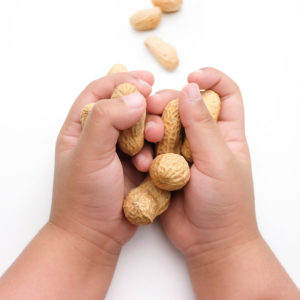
pixel 101 131
pixel 144 75
pixel 103 89
pixel 157 102
pixel 154 129
pixel 232 104
pixel 206 142
pixel 142 161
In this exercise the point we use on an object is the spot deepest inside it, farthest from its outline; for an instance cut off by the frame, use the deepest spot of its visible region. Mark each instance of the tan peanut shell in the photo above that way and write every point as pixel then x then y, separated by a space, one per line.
pixel 172 140
pixel 168 5
pixel 165 54
pixel 117 68
pixel 170 172
pixel 144 203
pixel 213 104
pixel 146 19
pixel 84 113
pixel 131 140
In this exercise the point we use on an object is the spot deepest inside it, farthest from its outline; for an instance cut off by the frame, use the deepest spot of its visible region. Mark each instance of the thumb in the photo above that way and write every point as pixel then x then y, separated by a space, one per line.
pixel 206 141
pixel 101 131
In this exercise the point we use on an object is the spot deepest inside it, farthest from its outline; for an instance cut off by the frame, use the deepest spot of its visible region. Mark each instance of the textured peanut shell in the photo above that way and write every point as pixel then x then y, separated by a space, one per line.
pixel 146 19
pixel 84 113
pixel 170 172
pixel 172 140
pixel 168 5
pixel 131 140
pixel 144 203
pixel 117 68
pixel 213 104
pixel 165 54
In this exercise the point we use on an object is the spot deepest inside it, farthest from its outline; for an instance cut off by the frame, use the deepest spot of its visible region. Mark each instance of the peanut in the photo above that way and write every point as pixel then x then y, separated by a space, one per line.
pixel 170 172
pixel 146 19
pixel 213 104
pixel 117 68
pixel 131 140
pixel 84 113
pixel 165 54
pixel 144 203
pixel 168 5
pixel 172 139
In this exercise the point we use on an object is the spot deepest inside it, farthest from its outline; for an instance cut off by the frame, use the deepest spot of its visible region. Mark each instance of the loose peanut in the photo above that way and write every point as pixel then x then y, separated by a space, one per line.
pixel 168 5
pixel 170 172
pixel 213 104
pixel 144 203
pixel 146 19
pixel 117 68
pixel 172 140
pixel 163 52
pixel 131 140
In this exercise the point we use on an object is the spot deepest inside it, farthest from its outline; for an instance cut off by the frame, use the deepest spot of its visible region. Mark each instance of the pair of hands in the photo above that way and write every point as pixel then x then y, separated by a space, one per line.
pixel 214 212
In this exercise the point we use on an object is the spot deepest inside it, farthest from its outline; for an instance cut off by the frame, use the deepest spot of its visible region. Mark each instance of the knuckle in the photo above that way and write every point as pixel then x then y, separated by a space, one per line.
pixel 99 111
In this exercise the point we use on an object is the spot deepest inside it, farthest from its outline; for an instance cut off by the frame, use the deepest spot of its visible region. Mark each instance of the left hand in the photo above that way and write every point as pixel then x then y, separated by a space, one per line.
pixel 90 179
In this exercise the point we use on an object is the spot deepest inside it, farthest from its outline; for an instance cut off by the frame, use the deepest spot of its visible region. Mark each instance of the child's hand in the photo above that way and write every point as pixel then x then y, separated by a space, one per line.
pixel 212 221
pixel 217 205
pixel 90 178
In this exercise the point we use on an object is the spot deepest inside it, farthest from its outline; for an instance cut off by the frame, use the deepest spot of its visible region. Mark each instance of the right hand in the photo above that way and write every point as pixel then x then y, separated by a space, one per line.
pixel 215 211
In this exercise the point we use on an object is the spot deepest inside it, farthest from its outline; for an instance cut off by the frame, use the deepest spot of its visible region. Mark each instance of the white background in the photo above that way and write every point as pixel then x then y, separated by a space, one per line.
pixel 50 50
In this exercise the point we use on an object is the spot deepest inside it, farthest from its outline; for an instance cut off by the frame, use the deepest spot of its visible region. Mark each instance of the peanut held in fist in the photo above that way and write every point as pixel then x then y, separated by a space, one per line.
pixel 170 171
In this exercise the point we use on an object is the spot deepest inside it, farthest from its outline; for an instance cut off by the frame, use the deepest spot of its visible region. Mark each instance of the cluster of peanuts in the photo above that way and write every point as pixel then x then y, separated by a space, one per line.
pixel 170 170
pixel 149 19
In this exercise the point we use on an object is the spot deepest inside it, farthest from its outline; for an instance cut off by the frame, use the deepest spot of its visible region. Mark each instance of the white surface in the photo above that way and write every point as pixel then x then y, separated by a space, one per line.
pixel 51 49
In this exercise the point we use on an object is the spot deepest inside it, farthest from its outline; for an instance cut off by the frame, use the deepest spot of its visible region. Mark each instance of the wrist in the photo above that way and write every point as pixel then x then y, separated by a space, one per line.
pixel 244 269
pixel 211 253
pixel 95 247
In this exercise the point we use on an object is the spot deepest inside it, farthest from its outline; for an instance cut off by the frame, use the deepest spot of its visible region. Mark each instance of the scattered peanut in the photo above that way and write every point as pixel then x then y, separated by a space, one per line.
pixel 170 171
pixel 172 140
pixel 168 5
pixel 144 203
pixel 146 19
pixel 163 52
pixel 213 104
pixel 131 140
pixel 117 68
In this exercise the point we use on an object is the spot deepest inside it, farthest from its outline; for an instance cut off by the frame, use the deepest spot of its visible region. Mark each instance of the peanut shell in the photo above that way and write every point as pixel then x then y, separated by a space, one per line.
pixel 144 203
pixel 165 54
pixel 170 172
pixel 213 104
pixel 146 19
pixel 168 5
pixel 131 140
pixel 84 113
pixel 172 140
pixel 117 68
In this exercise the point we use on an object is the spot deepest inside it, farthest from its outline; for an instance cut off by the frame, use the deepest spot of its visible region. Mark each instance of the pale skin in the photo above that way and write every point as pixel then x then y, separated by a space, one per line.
pixel 212 221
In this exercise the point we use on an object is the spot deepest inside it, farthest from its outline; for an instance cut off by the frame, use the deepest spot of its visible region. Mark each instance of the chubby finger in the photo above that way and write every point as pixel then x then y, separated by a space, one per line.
pixel 206 141
pixel 157 102
pixel 101 131
pixel 103 89
pixel 228 90
pixel 142 161
pixel 154 129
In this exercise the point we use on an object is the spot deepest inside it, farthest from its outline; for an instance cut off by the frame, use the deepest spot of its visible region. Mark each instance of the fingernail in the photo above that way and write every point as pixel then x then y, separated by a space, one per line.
pixel 149 125
pixel 193 92
pixel 144 82
pixel 134 100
